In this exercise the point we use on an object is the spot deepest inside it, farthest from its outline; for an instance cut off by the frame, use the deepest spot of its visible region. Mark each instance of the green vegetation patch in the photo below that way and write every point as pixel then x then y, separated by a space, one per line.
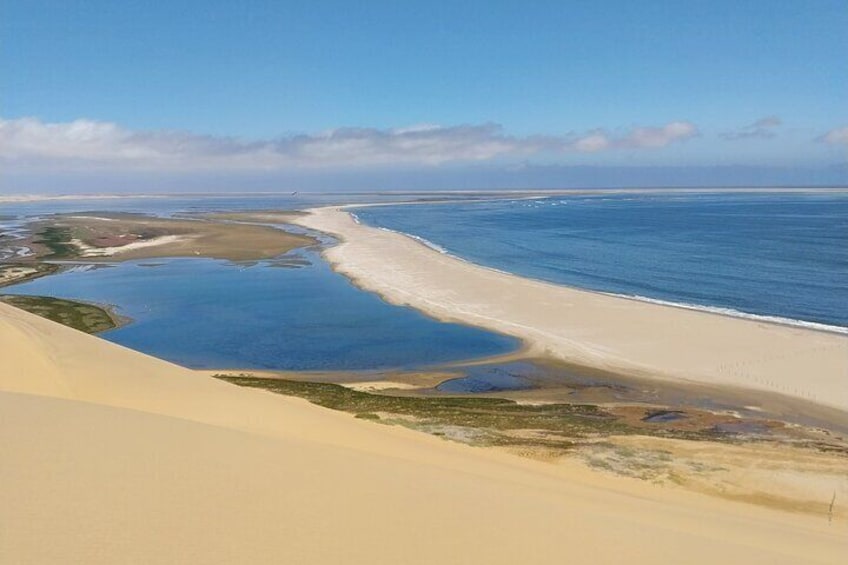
pixel 497 421
pixel 78 315
pixel 58 240
pixel 551 428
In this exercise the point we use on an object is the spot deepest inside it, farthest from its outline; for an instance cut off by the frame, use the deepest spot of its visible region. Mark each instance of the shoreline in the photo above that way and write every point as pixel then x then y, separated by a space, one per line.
pixel 88 317
pixel 605 331
pixel 717 310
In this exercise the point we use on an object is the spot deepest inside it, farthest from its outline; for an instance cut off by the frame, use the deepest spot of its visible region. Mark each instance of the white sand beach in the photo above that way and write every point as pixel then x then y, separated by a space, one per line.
pixel 91 251
pixel 111 456
pixel 598 330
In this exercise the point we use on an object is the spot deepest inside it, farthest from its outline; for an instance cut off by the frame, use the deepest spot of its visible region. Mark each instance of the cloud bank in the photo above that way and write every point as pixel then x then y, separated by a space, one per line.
pixel 764 128
pixel 30 144
pixel 838 136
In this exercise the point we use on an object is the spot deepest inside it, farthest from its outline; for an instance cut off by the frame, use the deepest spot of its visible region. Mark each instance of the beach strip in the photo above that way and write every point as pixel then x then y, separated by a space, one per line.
pixel 628 336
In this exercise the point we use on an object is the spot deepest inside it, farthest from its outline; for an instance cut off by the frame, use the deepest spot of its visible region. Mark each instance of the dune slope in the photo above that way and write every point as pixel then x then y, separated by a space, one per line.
pixel 112 456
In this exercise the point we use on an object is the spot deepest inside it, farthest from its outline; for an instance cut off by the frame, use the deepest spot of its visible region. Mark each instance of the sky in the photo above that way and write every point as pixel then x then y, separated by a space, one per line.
pixel 104 96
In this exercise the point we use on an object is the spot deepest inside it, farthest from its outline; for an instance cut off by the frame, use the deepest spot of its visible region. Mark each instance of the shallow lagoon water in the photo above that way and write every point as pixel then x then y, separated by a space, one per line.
pixel 515 375
pixel 293 315
pixel 289 314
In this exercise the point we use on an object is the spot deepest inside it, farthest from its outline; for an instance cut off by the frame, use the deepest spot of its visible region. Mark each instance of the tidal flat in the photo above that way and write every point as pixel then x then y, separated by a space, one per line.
pixel 116 236
pixel 759 460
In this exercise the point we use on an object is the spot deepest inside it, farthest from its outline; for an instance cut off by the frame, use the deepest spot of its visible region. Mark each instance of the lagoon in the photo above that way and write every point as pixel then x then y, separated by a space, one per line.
pixel 289 314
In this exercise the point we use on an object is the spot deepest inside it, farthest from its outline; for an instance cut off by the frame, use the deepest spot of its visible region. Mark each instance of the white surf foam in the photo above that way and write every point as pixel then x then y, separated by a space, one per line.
pixel 736 313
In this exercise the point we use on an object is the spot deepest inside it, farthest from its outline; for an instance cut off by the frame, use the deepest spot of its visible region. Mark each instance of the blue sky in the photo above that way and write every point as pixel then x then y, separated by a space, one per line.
pixel 107 95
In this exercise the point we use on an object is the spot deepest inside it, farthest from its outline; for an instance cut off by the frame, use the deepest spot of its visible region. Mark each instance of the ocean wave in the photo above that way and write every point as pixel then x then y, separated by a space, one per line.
pixel 734 313
pixel 422 241
pixel 430 244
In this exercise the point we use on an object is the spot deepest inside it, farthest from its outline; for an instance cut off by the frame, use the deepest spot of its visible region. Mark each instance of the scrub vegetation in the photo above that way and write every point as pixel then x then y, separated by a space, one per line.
pixel 87 318
pixel 482 421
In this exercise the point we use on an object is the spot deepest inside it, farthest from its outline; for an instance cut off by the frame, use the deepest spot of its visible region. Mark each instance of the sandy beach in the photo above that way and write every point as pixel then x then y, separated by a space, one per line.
pixel 592 329
pixel 113 456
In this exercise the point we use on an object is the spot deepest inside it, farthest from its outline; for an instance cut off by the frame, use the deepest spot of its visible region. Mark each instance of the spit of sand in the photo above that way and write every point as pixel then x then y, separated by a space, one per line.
pixel 593 329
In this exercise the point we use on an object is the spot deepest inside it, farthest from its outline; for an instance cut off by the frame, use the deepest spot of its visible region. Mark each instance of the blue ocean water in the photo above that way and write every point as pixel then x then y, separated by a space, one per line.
pixel 772 255
pixel 168 205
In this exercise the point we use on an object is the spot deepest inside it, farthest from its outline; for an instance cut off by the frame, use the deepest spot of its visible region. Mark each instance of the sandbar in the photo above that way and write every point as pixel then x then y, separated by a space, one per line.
pixel 613 333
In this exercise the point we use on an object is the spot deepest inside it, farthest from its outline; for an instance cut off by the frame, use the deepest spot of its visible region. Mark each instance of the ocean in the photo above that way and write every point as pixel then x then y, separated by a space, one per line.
pixel 774 256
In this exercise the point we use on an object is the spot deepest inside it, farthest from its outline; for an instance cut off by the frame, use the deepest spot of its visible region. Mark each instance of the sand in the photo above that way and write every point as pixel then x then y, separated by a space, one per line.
pixel 14 273
pixel 120 236
pixel 91 251
pixel 111 456
pixel 254 216
pixel 592 329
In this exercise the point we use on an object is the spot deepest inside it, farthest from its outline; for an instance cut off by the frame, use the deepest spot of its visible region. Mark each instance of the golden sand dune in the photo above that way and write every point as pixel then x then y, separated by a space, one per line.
pixel 111 456
pixel 594 329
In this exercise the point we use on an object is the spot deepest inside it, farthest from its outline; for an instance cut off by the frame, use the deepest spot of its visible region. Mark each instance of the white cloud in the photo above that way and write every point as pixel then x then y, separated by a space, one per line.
pixel 837 136
pixel 659 136
pixel 29 143
pixel 763 128
pixel 595 141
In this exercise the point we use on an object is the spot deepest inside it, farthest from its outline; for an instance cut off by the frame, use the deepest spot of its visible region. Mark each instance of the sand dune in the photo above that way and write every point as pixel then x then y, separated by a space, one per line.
pixel 629 336
pixel 110 456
